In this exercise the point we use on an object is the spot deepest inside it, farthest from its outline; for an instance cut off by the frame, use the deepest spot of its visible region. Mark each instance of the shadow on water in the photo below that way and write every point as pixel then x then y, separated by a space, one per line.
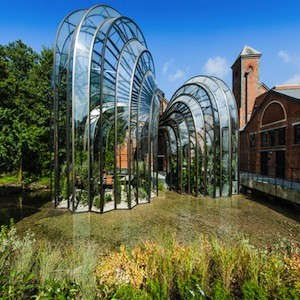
pixel 279 205
pixel 19 206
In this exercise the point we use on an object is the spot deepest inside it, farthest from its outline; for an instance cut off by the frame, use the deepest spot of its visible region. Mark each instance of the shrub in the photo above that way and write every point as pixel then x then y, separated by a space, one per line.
pixel 142 192
pixel 118 189
pixel 157 289
pixel 219 292
pixel 165 269
pixel 225 260
pixel 252 291
pixel 287 293
pixel 16 264
pixel 127 292
pixel 97 201
pixel 190 289
pixel 107 198
pixel 66 290
pixel 161 186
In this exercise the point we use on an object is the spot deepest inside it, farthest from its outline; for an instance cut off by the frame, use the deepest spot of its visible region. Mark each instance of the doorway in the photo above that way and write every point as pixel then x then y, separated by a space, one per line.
pixel 264 163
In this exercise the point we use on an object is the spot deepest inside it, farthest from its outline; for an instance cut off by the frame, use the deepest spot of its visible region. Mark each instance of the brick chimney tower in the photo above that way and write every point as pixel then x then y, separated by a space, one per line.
pixel 245 82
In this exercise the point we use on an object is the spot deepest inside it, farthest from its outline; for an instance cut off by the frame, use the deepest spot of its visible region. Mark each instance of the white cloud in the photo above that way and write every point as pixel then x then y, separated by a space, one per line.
pixel 283 54
pixel 179 74
pixel 287 58
pixel 216 66
pixel 167 66
pixel 172 73
pixel 293 80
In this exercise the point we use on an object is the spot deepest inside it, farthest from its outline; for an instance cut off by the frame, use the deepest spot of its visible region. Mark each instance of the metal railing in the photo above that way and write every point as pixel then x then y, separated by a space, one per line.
pixel 276 175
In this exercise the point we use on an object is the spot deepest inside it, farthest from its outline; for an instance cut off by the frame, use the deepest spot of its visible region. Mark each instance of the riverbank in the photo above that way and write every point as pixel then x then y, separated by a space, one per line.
pixel 13 188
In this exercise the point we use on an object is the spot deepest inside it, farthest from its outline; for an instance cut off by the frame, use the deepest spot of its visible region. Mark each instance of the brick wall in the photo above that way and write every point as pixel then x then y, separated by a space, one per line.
pixel 292 151
pixel 246 86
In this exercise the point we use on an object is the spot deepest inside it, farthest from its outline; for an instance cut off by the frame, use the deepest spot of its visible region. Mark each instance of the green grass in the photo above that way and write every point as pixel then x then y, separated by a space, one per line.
pixel 44 180
pixel 11 179
pixel 6 179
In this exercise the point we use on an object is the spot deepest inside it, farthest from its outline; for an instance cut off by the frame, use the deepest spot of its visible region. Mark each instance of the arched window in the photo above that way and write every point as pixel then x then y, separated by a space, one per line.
pixel 273 113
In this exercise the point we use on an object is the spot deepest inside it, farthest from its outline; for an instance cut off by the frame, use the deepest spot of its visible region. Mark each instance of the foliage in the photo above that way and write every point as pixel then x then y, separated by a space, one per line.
pixel 9 178
pixel 64 290
pixel 117 189
pixel 219 292
pixel 190 288
pixel 161 186
pixel 25 109
pixel 253 291
pixel 143 176
pixel 107 198
pixel 207 268
pixel 109 147
pixel 31 270
pixel 142 193
pixel 96 201
pixel 16 264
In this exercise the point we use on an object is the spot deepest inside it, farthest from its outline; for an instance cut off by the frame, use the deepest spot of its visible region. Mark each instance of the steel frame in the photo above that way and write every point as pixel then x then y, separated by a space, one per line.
pixel 106 100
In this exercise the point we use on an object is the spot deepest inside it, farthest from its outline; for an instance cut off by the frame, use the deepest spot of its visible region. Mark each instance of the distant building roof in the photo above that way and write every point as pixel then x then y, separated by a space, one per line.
pixel 248 51
pixel 292 91
pixel 288 90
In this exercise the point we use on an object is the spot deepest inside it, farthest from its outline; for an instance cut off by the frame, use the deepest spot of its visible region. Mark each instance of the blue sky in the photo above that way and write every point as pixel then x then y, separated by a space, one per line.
pixel 186 38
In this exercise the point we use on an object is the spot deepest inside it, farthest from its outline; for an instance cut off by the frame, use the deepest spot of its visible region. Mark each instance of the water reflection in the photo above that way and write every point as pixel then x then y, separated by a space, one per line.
pixel 187 217
pixel 20 206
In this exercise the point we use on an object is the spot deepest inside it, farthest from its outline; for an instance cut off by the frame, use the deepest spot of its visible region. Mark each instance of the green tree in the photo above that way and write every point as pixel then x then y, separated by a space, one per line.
pixel 41 97
pixel 25 109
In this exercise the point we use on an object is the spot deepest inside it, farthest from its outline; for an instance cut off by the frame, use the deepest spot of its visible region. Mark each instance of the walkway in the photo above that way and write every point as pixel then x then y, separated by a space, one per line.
pixel 271 180
pixel 278 187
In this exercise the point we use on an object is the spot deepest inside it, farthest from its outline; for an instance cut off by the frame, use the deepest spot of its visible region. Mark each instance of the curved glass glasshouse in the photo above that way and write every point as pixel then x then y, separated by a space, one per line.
pixel 107 127
pixel 198 136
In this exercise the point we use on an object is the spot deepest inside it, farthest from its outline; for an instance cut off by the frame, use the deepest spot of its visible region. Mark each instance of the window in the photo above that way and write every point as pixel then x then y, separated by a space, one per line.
pixel 252 140
pixel 272 137
pixel 264 139
pixel 297 134
pixel 281 136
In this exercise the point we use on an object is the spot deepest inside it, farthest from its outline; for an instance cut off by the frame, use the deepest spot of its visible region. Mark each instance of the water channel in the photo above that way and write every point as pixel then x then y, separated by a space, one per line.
pixel 263 221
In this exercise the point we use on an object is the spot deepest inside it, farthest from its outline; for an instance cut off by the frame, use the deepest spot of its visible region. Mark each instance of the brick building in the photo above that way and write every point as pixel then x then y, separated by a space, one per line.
pixel 269 121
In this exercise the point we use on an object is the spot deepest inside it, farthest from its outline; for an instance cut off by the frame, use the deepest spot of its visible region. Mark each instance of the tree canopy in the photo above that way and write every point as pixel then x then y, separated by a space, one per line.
pixel 25 109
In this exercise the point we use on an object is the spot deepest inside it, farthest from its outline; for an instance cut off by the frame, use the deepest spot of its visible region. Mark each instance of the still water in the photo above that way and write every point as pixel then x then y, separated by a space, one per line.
pixel 19 206
pixel 264 222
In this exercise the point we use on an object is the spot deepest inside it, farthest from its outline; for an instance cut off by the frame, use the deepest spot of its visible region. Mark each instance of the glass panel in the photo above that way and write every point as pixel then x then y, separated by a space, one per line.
pixel 107 120
pixel 62 108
